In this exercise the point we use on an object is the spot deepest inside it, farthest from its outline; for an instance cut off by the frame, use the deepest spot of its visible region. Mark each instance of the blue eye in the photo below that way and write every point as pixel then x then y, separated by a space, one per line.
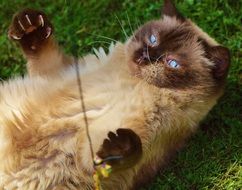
pixel 153 39
pixel 173 64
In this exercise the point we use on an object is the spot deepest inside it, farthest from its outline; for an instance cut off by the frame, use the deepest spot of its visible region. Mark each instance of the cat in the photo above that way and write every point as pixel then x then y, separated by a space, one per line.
pixel 143 100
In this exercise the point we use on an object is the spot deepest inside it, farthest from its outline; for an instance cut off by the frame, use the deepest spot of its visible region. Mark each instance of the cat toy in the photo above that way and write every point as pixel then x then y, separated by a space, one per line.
pixel 100 166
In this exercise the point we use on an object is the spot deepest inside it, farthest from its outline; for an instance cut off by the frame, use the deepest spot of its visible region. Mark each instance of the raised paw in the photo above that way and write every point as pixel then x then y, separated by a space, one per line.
pixel 124 146
pixel 31 28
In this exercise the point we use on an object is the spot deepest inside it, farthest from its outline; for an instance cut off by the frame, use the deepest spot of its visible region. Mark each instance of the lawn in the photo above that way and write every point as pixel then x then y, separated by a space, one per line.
pixel 213 157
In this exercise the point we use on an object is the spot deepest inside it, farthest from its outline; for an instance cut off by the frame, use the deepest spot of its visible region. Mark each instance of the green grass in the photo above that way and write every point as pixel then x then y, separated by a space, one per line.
pixel 213 157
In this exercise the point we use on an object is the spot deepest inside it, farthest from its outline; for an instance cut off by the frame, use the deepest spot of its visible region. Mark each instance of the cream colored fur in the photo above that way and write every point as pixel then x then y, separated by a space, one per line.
pixel 42 122
pixel 43 143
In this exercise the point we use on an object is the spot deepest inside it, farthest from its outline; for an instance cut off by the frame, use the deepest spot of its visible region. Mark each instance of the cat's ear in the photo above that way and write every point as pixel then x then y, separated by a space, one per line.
pixel 169 9
pixel 220 56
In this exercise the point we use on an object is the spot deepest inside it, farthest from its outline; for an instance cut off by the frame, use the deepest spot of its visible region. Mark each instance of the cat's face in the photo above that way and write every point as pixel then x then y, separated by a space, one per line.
pixel 174 53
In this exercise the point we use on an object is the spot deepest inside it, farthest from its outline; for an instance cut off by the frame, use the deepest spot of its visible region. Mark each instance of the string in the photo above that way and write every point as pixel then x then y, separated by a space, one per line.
pixel 83 107
pixel 100 166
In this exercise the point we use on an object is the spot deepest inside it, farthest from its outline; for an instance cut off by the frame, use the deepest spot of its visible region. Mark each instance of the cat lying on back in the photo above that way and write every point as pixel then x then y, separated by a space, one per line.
pixel 143 100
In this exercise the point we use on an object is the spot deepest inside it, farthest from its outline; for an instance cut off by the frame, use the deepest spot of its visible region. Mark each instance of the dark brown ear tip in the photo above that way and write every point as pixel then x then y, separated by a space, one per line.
pixel 221 57
pixel 169 9
pixel 225 51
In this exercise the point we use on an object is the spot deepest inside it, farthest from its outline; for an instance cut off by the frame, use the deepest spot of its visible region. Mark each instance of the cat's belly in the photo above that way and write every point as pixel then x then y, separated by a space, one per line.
pixel 42 122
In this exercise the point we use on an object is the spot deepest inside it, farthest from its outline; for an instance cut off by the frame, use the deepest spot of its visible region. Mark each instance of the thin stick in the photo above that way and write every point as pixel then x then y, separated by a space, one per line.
pixel 83 107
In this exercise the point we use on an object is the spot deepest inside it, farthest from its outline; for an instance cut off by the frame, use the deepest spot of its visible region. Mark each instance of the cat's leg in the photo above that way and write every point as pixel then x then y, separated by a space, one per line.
pixel 34 32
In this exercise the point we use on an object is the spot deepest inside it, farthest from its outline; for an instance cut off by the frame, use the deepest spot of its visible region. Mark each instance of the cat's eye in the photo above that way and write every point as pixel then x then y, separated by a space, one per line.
pixel 173 64
pixel 153 39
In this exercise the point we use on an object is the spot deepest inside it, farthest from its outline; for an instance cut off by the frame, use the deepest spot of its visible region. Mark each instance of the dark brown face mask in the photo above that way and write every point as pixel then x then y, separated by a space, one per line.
pixel 171 53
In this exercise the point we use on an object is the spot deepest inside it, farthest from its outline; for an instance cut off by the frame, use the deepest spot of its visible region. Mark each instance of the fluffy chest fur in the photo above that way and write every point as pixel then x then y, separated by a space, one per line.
pixel 42 121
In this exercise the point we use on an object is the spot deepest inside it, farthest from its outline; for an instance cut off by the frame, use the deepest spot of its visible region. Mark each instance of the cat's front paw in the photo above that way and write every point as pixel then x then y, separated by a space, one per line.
pixel 124 146
pixel 31 28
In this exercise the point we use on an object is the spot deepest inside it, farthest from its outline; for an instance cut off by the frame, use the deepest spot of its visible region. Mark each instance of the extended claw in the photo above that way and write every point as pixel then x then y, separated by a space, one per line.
pixel 14 37
pixel 28 19
pixel 48 30
pixel 41 19
pixel 21 25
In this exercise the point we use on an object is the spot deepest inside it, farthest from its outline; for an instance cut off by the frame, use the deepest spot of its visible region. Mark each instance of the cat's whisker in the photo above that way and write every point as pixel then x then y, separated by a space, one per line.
pixel 140 60
pixel 137 26
pixel 148 54
pixel 105 37
pixel 138 23
pixel 159 57
pixel 131 28
pixel 125 33
pixel 100 42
